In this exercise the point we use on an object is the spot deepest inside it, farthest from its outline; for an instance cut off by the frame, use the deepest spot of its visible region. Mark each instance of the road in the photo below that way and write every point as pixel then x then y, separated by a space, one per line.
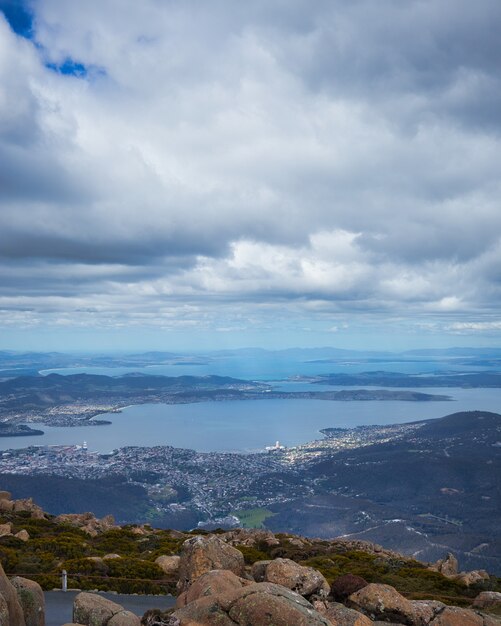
pixel 59 605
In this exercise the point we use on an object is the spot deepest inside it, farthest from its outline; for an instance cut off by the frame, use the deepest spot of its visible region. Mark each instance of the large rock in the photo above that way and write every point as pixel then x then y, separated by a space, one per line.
pixel 454 616
pixel 32 600
pixel 5 495
pixel 340 615
pixel 169 564
pixel 473 577
pixel 212 583
pixel 385 603
pixel 27 505
pixel 5 529
pixel 87 522
pixel 23 535
pixel 155 617
pixel 303 580
pixel 6 505
pixel 91 609
pixel 448 566
pixel 259 604
pixel 202 554
pixel 487 599
pixel 16 617
pixel 345 585
pixel 258 570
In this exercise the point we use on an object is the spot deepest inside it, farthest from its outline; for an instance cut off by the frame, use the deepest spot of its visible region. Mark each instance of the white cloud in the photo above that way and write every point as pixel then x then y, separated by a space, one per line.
pixel 224 155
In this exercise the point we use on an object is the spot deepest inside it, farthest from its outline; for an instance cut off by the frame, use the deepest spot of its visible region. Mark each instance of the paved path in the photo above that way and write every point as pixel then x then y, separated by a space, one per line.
pixel 59 605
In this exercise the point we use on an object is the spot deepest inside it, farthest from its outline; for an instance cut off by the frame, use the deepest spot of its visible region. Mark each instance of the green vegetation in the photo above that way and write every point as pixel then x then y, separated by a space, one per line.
pixel 253 518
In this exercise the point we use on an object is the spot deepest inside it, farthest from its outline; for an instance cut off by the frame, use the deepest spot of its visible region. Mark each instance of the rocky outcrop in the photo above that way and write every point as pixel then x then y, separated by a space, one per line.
pixel 251 538
pixel 91 609
pixel 23 535
pixel 202 554
pixel 448 566
pixel 87 522
pixel 169 564
pixel 212 583
pixel 32 600
pixel 383 602
pixel 258 603
pixel 16 617
pixel 473 577
pixel 303 580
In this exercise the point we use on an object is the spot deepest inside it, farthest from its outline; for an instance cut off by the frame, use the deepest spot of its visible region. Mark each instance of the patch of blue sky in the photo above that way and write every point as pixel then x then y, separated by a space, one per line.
pixel 19 16
pixel 70 67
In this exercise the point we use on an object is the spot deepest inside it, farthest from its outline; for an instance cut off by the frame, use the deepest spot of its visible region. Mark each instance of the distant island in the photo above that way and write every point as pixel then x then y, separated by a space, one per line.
pixel 18 430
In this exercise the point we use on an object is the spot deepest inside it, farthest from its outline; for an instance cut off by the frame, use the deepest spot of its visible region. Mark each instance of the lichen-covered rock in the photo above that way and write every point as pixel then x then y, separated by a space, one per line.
pixel 124 618
pixel 260 604
pixel 91 609
pixel 340 615
pixel 169 564
pixel 202 554
pixel 454 616
pixel 16 617
pixel 111 556
pixel 385 603
pixel 487 599
pixel 4 612
pixel 32 600
pixel 303 580
pixel 212 583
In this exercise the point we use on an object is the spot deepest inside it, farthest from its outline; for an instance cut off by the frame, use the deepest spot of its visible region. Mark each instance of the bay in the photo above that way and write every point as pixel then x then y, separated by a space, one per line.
pixel 250 425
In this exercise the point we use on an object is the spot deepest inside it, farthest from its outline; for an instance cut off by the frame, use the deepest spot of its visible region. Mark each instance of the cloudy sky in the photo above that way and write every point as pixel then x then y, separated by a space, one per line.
pixel 207 173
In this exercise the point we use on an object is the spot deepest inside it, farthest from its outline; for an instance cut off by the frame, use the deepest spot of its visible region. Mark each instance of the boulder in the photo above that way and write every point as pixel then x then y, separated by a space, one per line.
pixel 340 615
pixel 91 609
pixel 473 577
pixel 16 617
pixel 251 537
pixel 258 603
pixel 73 624
pixel 258 570
pixel 212 583
pixel 5 529
pixel 27 505
pixel 303 580
pixel 23 535
pixel 345 585
pixel 5 495
pixel 448 566
pixel 169 564
pixel 201 554
pixel 111 556
pixel 487 599
pixel 383 602
pixel 32 600
pixel 454 616
pixel 6 505
pixel 124 618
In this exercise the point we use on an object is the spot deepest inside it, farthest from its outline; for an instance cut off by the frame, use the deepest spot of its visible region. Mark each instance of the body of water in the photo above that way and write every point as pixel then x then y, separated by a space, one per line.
pixel 250 425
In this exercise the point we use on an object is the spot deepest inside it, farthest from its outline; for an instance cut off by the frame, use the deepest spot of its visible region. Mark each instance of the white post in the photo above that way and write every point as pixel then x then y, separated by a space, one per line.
pixel 64 580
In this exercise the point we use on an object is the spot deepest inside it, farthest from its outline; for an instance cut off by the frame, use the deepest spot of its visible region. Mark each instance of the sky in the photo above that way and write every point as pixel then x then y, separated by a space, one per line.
pixel 209 173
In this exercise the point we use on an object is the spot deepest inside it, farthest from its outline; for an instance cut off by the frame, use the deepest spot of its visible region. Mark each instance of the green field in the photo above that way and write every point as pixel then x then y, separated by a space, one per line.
pixel 253 518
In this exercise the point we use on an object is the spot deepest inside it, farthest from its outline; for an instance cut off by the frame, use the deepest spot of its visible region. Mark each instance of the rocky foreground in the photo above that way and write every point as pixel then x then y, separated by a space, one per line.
pixel 221 579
